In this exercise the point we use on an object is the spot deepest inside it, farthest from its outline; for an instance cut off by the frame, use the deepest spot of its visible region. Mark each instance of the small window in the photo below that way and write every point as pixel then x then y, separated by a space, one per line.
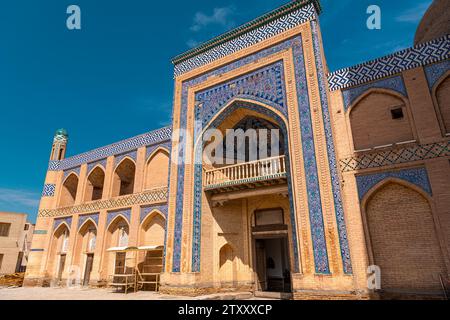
pixel 397 113
pixel 1 260
pixel 27 226
pixel 4 229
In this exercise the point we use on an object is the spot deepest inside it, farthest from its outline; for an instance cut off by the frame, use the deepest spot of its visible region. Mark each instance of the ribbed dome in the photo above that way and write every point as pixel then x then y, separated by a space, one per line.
pixel 435 22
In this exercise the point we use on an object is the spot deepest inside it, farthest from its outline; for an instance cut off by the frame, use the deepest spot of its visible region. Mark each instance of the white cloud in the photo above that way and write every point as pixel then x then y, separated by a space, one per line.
pixel 413 15
pixel 191 43
pixel 220 16
pixel 14 197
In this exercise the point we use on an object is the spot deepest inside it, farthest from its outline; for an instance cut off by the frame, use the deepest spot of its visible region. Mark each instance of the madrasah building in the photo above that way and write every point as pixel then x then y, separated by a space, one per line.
pixel 363 177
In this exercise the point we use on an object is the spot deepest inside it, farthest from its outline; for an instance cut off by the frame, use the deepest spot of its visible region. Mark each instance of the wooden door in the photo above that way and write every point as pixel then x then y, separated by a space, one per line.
pixel 120 263
pixel 88 269
pixel 62 262
pixel 261 265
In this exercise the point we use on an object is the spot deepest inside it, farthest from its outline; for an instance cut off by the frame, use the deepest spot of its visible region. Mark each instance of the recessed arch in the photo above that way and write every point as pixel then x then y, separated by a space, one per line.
pixel 271 114
pixel 94 184
pixel 124 176
pixel 227 265
pixel 117 219
pixel 152 229
pixel 157 169
pixel 245 102
pixel 69 190
pixel 87 221
pixel 401 236
pixel 63 226
pixel 376 106
pixel 59 245
pixel 441 99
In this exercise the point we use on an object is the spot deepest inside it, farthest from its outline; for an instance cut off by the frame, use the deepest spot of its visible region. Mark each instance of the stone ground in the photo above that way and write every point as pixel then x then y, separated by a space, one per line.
pixel 38 293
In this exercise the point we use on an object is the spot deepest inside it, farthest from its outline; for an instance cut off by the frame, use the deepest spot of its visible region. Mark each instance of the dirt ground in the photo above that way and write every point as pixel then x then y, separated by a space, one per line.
pixel 38 293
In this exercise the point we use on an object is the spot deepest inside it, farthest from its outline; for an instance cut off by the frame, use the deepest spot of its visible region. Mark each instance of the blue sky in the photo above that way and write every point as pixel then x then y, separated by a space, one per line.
pixel 113 78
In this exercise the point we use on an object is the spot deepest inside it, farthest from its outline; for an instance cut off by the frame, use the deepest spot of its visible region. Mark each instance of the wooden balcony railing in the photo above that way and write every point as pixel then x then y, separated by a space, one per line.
pixel 247 172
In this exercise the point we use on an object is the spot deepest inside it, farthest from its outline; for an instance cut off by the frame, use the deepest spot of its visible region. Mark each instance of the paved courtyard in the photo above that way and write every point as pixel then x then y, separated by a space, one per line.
pixel 38 293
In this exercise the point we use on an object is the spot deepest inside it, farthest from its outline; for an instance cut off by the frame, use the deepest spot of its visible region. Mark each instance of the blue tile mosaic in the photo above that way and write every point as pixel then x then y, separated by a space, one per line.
pixel 416 176
pixel 435 71
pixel 150 138
pixel 126 213
pixel 145 211
pixel 40 232
pixel 49 190
pixel 335 181
pixel 316 218
pixel 150 149
pixel 71 170
pixel 421 55
pixel 83 218
pixel 57 222
pixel 198 178
pixel 266 31
pixel 101 163
pixel 393 83
pixel 120 157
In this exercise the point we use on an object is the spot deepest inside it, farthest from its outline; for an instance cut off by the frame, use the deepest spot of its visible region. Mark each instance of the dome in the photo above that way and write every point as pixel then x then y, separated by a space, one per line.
pixel 435 23
pixel 61 132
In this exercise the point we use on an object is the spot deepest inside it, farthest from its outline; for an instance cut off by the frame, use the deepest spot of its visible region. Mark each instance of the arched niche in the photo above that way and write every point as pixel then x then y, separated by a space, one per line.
pixel 379 118
pixel 94 184
pixel 157 169
pixel 123 180
pixel 402 237
pixel 69 191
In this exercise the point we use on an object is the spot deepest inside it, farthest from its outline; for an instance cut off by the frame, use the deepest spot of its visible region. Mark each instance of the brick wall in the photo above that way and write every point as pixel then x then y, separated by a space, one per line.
pixel 403 239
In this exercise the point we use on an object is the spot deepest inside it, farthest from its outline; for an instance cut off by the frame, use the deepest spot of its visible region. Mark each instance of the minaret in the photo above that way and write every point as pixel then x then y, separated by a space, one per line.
pixel 59 145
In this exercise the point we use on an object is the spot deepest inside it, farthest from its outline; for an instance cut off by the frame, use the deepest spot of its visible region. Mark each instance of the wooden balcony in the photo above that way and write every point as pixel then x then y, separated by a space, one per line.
pixel 248 175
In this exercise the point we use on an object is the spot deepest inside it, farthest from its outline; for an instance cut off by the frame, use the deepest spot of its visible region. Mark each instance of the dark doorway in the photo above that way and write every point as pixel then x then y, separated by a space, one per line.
pixel 120 263
pixel 272 265
pixel 88 269
pixel 62 262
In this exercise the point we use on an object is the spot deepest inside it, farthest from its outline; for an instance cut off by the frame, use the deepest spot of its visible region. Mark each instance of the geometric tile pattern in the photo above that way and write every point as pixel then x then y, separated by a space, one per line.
pixel 284 19
pixel 435 71
pixel 310 162
pixel 83 218
pixel 196 232
pixel 57 222
pixel 396 155
pixel 393 83
pixel 146 139
pixel 419 55
pixel 119 158
pixel 40 232
pixel 126 213
pixel 166 145
pixel 72 170
pixel 416 176
pixel 183 117
pixel 158 195
pixel 267 84
pixel 101 163
pixel 315 208
pixel 49 190
pixel 145 211
pixel 335 181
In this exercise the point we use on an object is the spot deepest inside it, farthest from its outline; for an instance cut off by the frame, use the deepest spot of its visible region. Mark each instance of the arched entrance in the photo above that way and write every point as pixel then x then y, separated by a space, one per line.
pixel 151 246
pixel 251 178
pixel 58 251
pixel 403 239
pixel 117 237
pixel 84 249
